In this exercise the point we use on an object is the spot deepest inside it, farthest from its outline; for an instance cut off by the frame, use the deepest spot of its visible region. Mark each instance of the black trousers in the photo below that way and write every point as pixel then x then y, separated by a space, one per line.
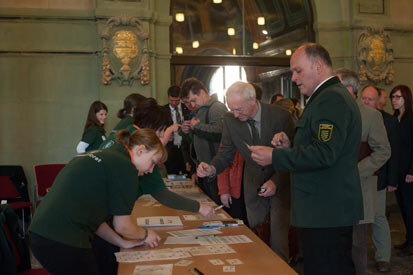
pixel 60 259
pixel 327 251
pixel 175 163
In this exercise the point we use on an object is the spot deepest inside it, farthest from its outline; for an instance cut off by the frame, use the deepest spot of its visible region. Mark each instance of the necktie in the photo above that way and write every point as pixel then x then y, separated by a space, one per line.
pixel 254 132
pixel 177 116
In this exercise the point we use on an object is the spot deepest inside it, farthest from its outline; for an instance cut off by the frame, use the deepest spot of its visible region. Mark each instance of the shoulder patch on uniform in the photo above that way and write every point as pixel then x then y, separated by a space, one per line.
pixel 325 131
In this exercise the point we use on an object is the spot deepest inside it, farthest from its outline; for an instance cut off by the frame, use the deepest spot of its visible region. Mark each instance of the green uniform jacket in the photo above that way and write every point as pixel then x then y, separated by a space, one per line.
pixel 326 188
pixel 111 139
pixel 94 136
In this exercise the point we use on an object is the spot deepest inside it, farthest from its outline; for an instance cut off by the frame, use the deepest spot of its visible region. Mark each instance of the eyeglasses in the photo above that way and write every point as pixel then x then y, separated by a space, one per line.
pixel 396 96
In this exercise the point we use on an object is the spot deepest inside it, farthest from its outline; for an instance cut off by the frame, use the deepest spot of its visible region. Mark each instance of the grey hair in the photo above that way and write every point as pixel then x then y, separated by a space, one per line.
pixel 244 89
pixel 349 78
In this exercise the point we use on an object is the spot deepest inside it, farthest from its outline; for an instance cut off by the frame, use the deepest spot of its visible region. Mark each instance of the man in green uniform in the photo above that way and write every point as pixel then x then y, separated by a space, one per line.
pixel 326 193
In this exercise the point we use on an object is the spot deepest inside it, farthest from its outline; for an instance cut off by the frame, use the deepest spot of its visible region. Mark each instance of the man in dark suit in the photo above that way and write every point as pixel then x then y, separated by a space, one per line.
pixel 326 192
pixel 387 181
pixel 251 122
pixel 176 163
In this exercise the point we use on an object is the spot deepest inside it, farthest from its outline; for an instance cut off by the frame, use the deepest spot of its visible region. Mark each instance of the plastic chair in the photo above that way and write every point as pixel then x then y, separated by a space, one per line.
pixel 10 177
pixel 45 175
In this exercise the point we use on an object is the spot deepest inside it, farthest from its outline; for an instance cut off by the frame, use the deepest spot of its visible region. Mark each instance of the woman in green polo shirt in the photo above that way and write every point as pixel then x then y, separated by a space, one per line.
pixel 92 189
pixel 130 103
pixel 94 131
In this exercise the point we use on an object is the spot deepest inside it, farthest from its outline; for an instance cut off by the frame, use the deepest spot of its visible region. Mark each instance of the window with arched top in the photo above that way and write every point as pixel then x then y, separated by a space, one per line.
pixel 224 77
pixel 257 35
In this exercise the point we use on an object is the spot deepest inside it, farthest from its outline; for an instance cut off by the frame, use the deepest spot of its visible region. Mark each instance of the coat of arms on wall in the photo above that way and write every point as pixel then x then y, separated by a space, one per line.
pixel 125 53
pixel 375 54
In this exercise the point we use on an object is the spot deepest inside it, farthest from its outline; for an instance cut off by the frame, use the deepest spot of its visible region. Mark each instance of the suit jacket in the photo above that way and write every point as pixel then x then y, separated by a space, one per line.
pixel 236 135
pixel 326 188
pixel 374 133
pixel 185 112
pixel 177 156
pixel 388 174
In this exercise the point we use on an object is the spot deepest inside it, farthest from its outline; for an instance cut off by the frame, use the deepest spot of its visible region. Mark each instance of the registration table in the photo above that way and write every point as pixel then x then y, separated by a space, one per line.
pixel 254 257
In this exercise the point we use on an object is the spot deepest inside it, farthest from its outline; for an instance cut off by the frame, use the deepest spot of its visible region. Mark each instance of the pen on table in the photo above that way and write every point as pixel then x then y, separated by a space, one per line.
pixel 219 207
pixel 209 227
pixel 197 270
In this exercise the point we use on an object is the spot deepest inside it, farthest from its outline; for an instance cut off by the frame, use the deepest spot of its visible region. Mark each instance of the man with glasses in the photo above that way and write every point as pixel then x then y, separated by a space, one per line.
pixel 266 193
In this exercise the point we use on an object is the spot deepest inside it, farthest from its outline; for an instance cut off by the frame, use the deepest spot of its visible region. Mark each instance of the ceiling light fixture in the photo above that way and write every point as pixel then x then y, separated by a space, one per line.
pixel 179 50
pixel 179 17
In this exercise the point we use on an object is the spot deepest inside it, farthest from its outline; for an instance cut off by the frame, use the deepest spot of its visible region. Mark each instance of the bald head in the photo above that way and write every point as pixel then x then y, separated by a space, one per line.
pixel 310 65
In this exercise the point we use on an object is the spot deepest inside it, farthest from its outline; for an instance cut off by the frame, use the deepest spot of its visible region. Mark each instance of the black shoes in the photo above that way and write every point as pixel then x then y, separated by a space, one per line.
pixel 383 267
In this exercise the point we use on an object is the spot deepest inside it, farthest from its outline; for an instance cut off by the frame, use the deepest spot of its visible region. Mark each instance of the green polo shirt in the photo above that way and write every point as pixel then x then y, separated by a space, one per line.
pixel 91 189
pixel 94 136
pixel 111 139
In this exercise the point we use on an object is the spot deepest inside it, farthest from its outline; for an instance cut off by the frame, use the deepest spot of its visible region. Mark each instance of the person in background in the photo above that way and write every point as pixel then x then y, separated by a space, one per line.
pixel 230 183
pixel 91 189
pixel 125 114
pixel 287 105
pixel 176 163
pixel 94 131
pixel 382 99
pixel 205 130
pixel 267 193
pixel 326 194
pixel 387 182
pixel 276 97
pixel 401 100
pixel 297 106
pixel 374 153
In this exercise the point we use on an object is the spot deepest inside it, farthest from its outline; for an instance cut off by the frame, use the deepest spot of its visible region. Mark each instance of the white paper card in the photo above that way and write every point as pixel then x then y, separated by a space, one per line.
pixel 181 240
pixel 216 261
pixel 234 261
pixel 150 255
pixel 199 217
pixel 160 221
pixel 194 232
pixel 184 263
pixel 165 269
pixel 228 268
pixel 234 239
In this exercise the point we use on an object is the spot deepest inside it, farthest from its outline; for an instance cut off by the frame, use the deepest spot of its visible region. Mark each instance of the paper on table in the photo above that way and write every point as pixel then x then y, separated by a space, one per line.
pixel 199 217
pixel 210 250
pixel 160 221
pixel 216 261
pixel 164 269
pixel 228 268
pixel 181 240
pixel 234 261
pixel 194 232
pixel 150 255
pixel 234 239
pixel 183 263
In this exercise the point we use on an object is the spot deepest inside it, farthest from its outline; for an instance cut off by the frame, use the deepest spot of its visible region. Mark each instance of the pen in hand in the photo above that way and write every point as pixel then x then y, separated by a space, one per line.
pixel 219 207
